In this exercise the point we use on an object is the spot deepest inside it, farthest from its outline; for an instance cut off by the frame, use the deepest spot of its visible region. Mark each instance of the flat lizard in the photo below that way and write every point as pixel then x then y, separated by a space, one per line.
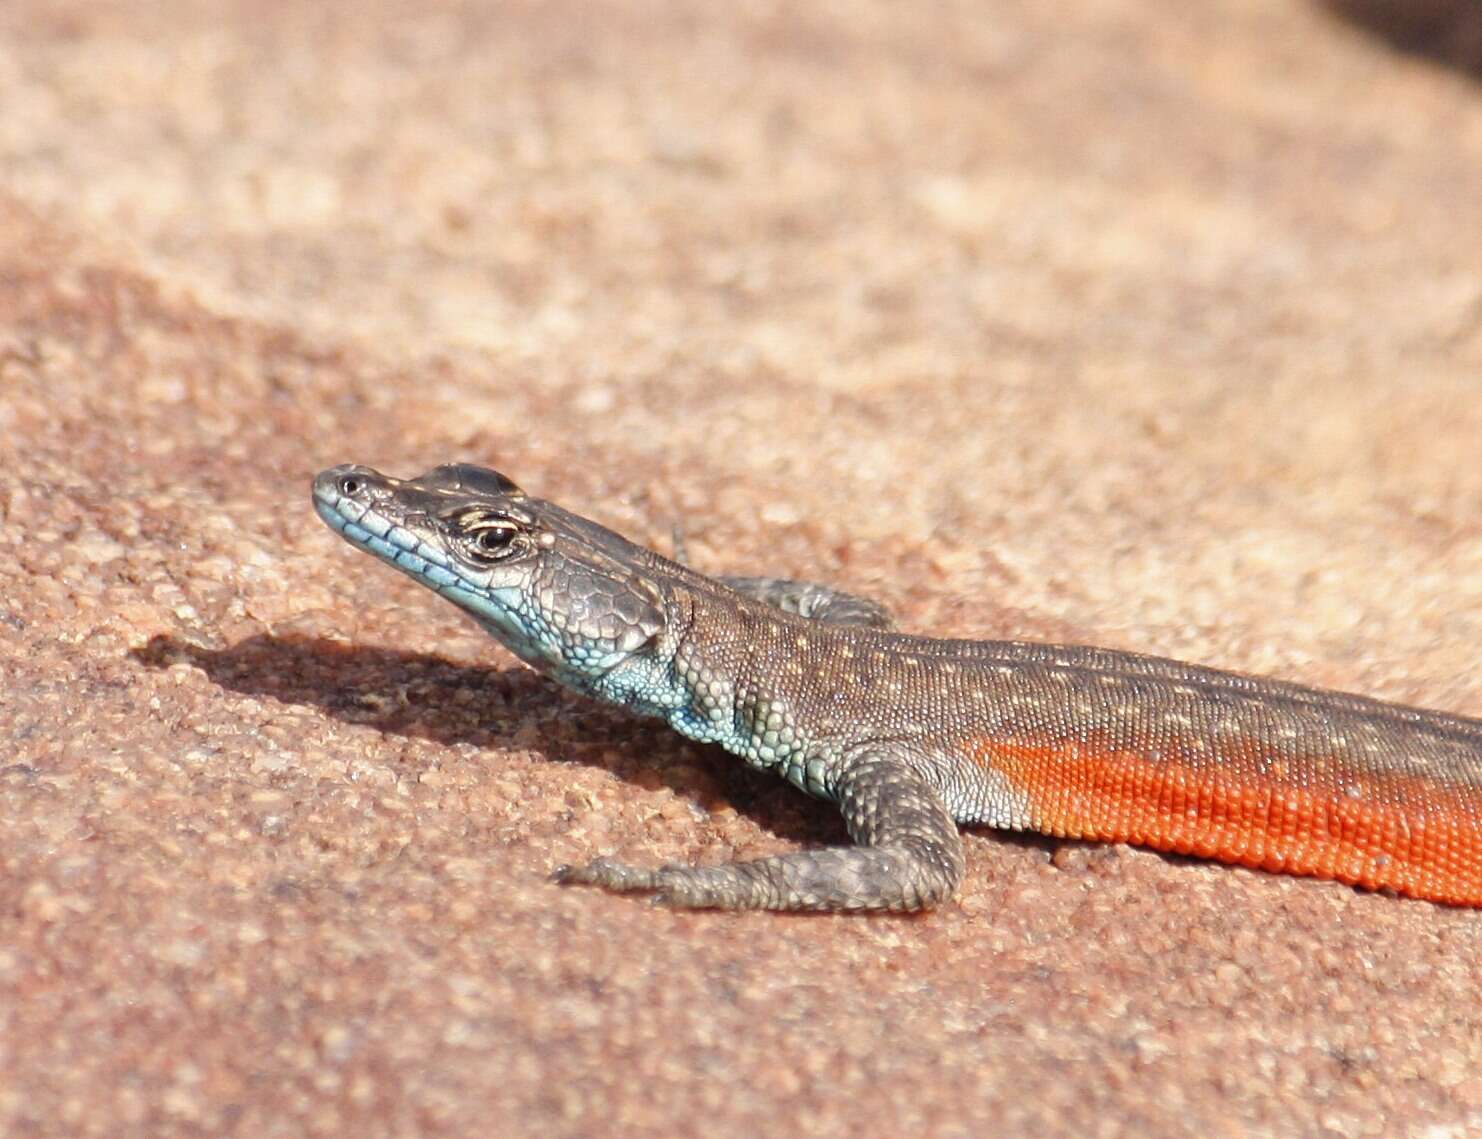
pixel 911 736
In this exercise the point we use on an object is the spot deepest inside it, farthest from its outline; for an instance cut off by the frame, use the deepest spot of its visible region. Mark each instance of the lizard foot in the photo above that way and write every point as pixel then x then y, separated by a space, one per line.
pixel 911 857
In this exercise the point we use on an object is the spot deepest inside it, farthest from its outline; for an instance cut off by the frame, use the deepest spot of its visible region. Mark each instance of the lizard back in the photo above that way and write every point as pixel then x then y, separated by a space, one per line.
pixel 1094 743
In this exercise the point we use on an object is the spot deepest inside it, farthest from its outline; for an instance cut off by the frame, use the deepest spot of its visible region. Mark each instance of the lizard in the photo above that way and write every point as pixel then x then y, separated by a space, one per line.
pixel 912 736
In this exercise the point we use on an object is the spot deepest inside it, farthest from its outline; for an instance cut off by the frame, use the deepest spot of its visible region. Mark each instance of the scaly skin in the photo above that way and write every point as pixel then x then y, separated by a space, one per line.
pixel 911 736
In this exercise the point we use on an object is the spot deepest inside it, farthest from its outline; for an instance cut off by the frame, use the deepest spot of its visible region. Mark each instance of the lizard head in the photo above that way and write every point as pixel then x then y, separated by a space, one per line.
pixel 562 593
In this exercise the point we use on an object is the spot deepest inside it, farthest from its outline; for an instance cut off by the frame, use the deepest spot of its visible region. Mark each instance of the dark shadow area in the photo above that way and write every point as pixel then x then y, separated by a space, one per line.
pixel 405 693
pixel 422 696
pixel 1446 31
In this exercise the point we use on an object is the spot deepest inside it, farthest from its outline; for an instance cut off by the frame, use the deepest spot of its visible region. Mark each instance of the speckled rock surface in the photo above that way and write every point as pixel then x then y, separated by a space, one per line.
pixel 1152 325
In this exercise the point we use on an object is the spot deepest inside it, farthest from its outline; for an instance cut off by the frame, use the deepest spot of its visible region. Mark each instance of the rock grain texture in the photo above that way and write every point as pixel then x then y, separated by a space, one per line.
pixel 1150 325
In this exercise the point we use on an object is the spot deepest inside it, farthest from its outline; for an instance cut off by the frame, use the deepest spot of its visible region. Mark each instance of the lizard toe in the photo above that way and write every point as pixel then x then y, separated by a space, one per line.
pixel 607 874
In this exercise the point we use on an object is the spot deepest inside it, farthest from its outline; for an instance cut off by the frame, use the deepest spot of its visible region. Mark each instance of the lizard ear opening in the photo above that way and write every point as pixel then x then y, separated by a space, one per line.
pixel 641 610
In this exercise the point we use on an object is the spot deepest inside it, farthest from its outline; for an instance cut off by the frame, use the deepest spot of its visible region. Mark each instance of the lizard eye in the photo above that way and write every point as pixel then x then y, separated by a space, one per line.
pixel 488 539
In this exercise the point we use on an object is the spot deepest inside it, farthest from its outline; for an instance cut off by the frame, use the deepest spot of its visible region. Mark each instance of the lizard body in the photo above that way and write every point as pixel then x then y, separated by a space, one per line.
pixel 911 736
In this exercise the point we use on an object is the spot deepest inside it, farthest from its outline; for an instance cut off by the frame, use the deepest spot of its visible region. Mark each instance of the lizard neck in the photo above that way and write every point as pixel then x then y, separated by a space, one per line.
pixel 704 678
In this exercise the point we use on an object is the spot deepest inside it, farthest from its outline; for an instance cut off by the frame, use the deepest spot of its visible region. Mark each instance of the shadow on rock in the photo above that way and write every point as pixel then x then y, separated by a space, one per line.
pixel 408 693
pixel 1447 31
pixel 419 695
